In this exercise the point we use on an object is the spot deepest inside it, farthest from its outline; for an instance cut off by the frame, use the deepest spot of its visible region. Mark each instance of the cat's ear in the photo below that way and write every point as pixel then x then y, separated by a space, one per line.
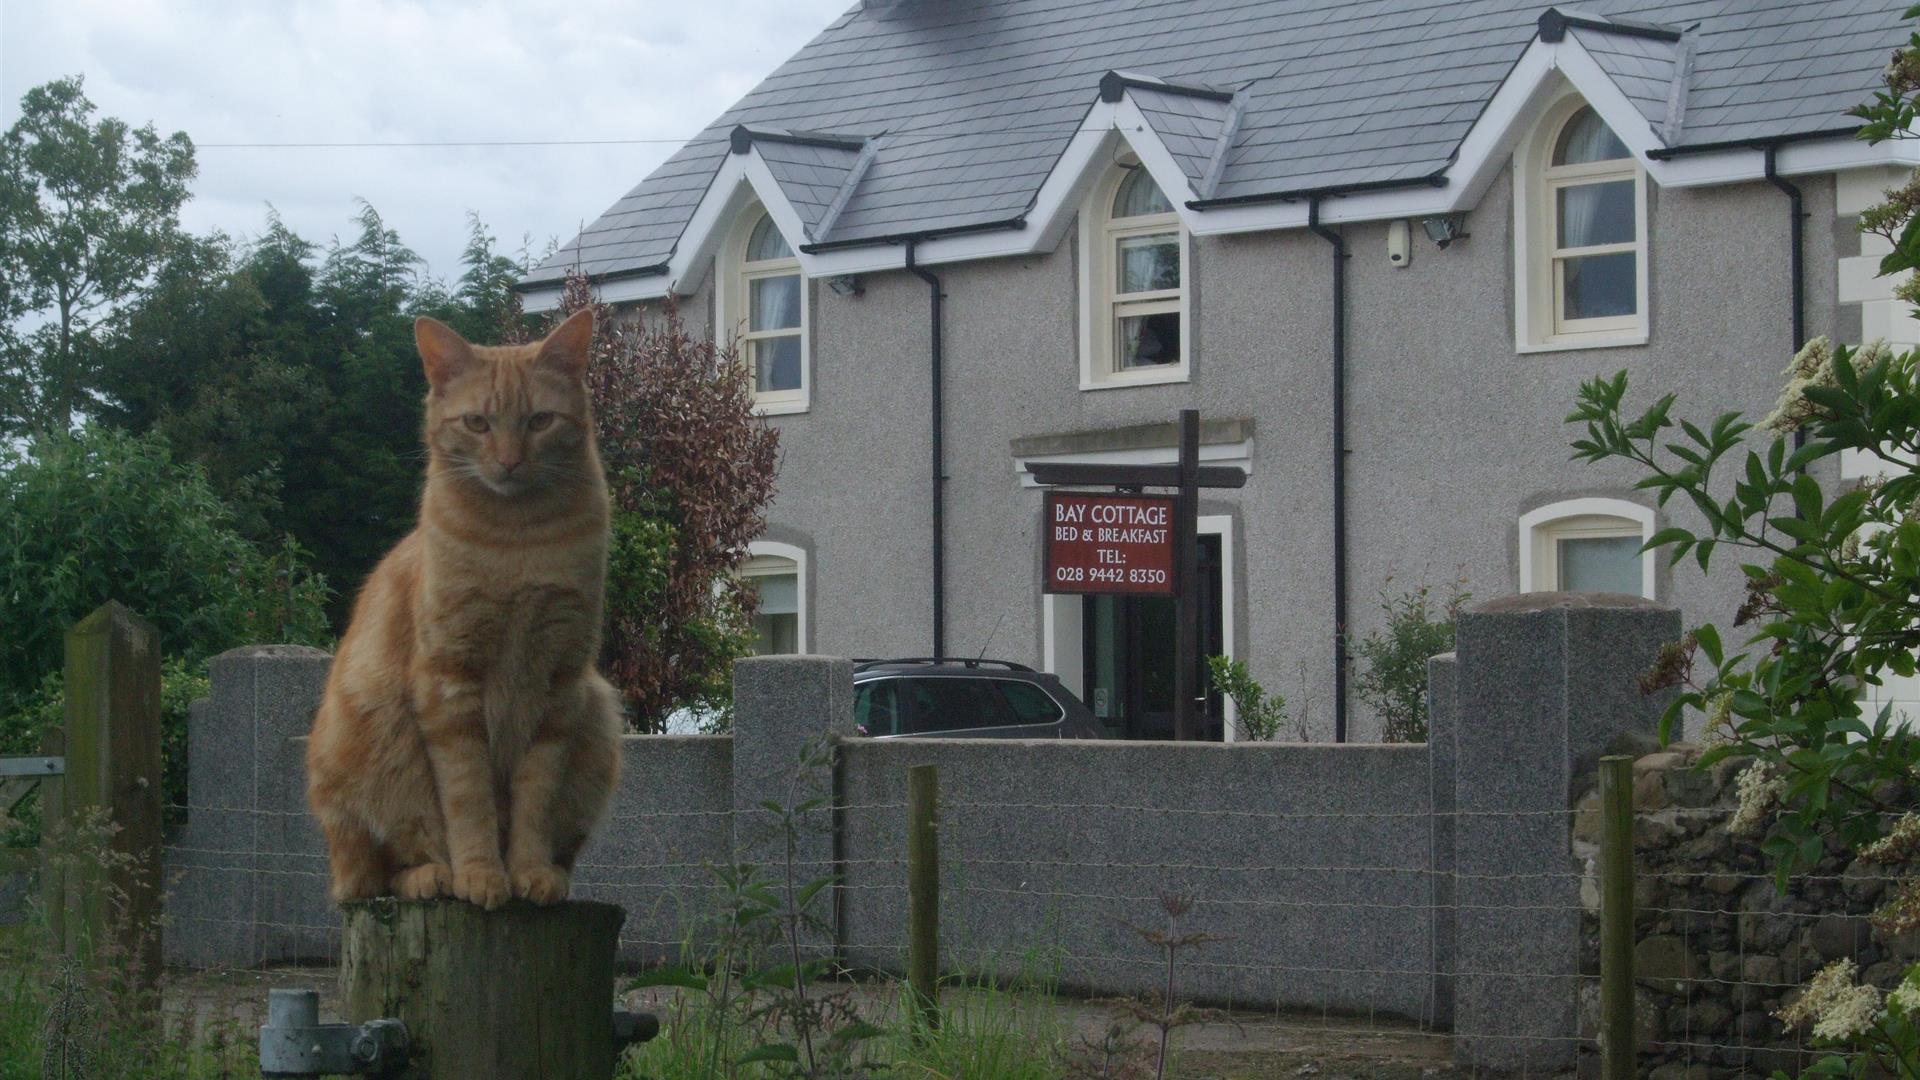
pixel 443 352
pixel 566 349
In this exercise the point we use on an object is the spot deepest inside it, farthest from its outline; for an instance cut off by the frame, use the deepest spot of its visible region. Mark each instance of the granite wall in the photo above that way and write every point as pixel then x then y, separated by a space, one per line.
pixel 1720 948
pixel 1435 882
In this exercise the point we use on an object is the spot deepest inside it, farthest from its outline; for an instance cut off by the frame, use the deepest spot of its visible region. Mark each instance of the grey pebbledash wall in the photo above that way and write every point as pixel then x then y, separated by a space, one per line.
pixel 1434 882
pixel 1452 434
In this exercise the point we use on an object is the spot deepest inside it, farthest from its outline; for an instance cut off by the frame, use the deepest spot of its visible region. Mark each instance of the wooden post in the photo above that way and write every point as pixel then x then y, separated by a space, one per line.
pixel 522 991
pixel 923 891
pixel 113 777
pixel 1617 1049
pixel 1186 597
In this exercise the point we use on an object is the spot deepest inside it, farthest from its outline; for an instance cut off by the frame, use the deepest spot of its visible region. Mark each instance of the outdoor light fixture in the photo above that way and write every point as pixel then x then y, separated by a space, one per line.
pixel 1445 229
pixel 846 285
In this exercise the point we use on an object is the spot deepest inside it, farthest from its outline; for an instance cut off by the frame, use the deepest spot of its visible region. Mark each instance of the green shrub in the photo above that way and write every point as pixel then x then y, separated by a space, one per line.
pixel 102 515
pixel 1258 714
pixel 1394 681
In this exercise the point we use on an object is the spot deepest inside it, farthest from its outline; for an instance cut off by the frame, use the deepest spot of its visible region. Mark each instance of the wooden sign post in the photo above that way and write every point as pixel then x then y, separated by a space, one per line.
pixel 1186 477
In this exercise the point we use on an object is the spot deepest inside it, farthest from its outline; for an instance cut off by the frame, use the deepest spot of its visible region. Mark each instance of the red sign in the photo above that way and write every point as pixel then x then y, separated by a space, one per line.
pixel 1109 544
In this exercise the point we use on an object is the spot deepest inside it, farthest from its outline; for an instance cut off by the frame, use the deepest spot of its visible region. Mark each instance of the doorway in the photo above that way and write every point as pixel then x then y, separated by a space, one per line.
pixel 1127 656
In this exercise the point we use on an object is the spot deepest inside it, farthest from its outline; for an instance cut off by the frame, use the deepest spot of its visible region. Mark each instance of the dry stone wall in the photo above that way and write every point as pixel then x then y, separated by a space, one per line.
pixel 1719 948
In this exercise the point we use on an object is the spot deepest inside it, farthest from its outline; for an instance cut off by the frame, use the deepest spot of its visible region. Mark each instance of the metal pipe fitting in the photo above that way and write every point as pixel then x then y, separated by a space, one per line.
pixel 293 1041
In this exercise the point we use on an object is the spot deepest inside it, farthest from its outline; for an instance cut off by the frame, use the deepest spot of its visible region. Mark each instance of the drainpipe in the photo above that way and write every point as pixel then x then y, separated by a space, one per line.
pixel 1339 465
pixel 937 421
pixel 1797 241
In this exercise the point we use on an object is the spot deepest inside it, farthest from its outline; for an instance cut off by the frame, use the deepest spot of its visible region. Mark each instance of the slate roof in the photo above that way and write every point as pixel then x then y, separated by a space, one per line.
pixel 965 105
pixel 817 178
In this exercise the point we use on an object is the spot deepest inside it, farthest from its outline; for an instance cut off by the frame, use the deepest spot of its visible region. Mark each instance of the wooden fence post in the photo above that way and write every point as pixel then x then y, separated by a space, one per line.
pixel 1617 1050
pixel 111 908
pixel 524 991
pixel 923 891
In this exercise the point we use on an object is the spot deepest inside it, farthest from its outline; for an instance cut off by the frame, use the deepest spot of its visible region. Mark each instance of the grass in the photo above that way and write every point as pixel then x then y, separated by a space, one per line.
pixel 59 1022
pixel 986 1030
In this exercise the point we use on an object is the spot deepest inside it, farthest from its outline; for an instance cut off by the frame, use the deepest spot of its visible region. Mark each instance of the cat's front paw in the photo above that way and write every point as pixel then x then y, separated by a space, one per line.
pixel 541 884
pixel 423 882
pixel 484 884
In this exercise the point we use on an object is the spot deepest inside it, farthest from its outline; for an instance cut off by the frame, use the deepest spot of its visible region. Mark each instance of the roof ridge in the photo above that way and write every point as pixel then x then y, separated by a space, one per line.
pixel 1115 83
pixel 745 135
pixel 855 172
pixel 1554 24
pixel 1671 127
pixel 1217 163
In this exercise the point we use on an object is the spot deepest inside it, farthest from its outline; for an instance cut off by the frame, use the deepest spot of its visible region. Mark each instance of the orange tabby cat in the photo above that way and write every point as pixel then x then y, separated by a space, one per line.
pixel 465 743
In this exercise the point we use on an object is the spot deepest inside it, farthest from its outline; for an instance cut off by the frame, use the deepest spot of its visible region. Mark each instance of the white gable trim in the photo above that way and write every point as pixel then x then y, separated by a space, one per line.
pixel 1539 76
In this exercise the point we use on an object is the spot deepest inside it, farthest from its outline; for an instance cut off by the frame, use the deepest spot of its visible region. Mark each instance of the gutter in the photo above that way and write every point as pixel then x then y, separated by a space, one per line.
pixel 610 275
pixel 911 238
pixel 1667 153
pixel 1339 243
pixel 937 424
pixel 1315 194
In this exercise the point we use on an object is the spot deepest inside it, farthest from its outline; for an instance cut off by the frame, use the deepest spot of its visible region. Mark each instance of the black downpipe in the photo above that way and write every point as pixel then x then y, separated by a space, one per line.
pixel 938 423
pixel 1339 466
pixel 1797 240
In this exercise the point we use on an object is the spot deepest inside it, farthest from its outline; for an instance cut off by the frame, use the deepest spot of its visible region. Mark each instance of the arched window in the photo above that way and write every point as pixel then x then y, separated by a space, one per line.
pixel 1582 220
pixel 778 573
pixel 764 299
pixel 1134 277
pixel 1587 545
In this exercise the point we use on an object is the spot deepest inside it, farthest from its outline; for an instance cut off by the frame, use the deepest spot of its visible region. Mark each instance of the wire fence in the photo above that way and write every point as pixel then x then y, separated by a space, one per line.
pixel 1317 889
pixel 1072 894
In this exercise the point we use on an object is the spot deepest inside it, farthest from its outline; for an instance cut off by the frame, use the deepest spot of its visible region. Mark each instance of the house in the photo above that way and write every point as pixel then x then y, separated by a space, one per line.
pixel 1377 245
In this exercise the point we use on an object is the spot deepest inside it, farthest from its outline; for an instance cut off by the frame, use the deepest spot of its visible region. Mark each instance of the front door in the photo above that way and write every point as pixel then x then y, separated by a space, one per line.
pixel 1129 656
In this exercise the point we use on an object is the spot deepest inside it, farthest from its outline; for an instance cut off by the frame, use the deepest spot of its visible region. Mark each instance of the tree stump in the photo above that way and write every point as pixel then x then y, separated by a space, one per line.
pixel 524 991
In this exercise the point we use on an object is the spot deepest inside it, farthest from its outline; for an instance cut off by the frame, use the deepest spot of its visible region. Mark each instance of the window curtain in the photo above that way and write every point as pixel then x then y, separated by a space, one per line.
pixel 776 303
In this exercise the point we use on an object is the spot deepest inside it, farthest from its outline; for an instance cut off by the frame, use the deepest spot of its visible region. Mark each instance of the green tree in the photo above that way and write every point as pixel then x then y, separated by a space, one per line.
pixel 289 376
pixel 88 210
pixel 101 515
pixel 485 306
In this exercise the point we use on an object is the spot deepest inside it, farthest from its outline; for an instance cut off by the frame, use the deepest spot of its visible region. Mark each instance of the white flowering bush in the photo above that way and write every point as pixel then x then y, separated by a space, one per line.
pixel 1882 1031
pixel 1833 607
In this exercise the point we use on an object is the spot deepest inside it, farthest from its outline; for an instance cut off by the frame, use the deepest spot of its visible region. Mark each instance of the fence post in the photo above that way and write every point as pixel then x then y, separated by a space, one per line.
pixel 112 694
pixel 1617 1049
pixel 923 891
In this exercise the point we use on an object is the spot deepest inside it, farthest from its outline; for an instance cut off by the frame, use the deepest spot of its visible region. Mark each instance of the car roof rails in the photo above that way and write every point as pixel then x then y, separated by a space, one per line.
pixel 961 661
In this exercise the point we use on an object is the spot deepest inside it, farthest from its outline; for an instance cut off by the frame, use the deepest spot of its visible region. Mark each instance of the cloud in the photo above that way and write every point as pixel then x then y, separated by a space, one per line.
pixel 227 71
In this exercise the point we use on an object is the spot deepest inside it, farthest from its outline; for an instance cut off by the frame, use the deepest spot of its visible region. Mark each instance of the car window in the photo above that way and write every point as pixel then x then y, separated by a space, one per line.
pixel 1029 703
pixel 954 705
pixel 876 707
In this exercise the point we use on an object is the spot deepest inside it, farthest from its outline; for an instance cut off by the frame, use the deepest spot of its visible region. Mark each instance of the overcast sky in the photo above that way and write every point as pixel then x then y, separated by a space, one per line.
pixel 331 71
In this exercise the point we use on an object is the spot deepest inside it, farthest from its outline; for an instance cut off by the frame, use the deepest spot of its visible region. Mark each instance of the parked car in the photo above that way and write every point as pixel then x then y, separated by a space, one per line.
pixel 966 699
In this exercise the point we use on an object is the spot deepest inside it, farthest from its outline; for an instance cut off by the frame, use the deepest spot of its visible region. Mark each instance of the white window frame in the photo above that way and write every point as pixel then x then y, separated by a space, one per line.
pixel 1100 307
pixel 803 635
pixel 734 288
pixel 1576 519
pixel 1538 261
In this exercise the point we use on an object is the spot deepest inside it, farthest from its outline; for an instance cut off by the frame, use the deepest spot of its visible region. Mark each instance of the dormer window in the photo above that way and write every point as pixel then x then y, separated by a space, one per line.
pixel 1133 274
pixel 764 299
pixel 1581 223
